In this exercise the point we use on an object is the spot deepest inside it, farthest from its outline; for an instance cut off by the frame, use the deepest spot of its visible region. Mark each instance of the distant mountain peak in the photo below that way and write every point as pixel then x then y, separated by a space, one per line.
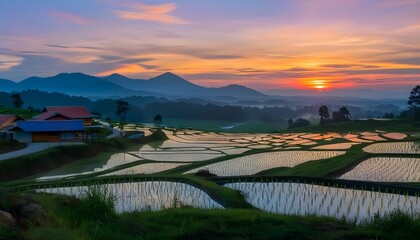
pixel 168 74
pixel 234 86
pixel 117 75
pixel 74 74
pixel 170 78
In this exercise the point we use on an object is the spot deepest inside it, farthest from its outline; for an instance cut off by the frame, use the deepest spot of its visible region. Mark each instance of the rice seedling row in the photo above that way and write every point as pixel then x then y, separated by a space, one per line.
pixel 252 164
pixel 393 147
pixel 152 195
pixel 308 199
pixel 386 169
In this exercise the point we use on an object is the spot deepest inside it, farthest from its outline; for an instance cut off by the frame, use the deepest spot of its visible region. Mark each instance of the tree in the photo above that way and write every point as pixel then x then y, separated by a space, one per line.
pixel 122 109
pixel 17 100
pixel 157 119
pixel 345 113
pixel 290 122
pixel 414 98
pixel 414 103
pixel 388 115
pixel 342 115
pixel 300 122
pixel 324 114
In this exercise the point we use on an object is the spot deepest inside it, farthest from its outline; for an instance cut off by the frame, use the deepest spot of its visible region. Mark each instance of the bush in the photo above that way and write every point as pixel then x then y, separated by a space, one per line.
pixel 98 205
pixel 9 233
pixel 396 222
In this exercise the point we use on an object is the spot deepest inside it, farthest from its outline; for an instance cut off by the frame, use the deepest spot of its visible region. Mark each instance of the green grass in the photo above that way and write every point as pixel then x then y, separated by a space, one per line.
pixel 24 113
pixel 7 146
pixel 9 233
pixel 227 197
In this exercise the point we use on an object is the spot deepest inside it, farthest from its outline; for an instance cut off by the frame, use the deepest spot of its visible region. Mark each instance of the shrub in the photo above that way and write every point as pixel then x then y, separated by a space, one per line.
pixel 396 222
pixel 98 205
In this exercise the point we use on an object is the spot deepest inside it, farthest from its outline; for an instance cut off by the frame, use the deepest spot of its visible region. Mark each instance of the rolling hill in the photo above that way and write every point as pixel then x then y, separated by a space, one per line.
pixel 171 84
pixel 116 85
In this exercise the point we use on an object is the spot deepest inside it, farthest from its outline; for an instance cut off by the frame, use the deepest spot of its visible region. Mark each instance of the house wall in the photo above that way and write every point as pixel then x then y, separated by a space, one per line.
pixel 22 136
pixel 87 121
pixel 68 136
pixel 46 137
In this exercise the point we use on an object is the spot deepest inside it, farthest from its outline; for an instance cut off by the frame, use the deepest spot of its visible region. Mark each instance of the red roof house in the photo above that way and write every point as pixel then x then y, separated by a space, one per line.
pixel 9 120
pixel 66 113
pixel 48 131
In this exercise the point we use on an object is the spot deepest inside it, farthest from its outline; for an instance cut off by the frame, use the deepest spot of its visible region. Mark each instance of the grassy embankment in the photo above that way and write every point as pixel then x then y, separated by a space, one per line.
pixel 94 218
pixel 7 146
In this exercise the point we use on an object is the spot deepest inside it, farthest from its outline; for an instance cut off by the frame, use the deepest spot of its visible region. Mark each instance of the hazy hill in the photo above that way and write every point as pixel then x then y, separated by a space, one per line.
pixel 76 84
pixel 237 91
pixel 171 84
pixel 116 85
pixel 7 85
pixel 166 83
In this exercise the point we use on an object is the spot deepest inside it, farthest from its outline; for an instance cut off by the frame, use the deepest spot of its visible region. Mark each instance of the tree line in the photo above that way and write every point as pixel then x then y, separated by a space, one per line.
pixel 145 109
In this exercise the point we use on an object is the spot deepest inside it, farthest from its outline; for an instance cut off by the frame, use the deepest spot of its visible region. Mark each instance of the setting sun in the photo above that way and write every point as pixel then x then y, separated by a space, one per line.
pixel 319 84
pixel 315 84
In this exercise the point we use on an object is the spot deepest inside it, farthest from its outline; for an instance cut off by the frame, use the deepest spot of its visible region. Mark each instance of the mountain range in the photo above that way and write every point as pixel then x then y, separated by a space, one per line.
pixel 116 85
pixel 169 85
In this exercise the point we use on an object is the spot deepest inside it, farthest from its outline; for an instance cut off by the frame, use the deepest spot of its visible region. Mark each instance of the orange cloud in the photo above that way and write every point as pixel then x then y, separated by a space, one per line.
pixel 72 18
pixel 159 13
pixel 127 69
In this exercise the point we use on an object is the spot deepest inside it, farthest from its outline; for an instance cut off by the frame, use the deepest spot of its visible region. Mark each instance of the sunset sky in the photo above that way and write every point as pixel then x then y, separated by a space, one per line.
pixel 264 44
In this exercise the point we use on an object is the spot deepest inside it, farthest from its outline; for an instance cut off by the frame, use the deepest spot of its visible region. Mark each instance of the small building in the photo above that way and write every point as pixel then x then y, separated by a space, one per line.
pixel 48 131
pixel 8 121
pixel 66 113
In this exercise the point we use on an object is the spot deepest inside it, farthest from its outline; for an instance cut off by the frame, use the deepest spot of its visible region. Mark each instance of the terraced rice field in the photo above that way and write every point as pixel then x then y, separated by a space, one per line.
pixel 395 135
pixel 252 164
pixel 178 156
pixel 138 196
pixel 304 199
pixel 193 148
pixel 115 160
pixel 393 147
pixel 335 146
pixel 386 169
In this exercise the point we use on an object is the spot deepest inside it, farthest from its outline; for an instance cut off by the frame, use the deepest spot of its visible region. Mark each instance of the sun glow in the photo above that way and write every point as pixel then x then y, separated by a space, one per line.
pixel 317 84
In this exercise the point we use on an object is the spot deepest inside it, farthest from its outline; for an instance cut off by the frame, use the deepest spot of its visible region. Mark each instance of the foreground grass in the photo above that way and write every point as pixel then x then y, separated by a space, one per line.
pixel 92 218
pixel 7 146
